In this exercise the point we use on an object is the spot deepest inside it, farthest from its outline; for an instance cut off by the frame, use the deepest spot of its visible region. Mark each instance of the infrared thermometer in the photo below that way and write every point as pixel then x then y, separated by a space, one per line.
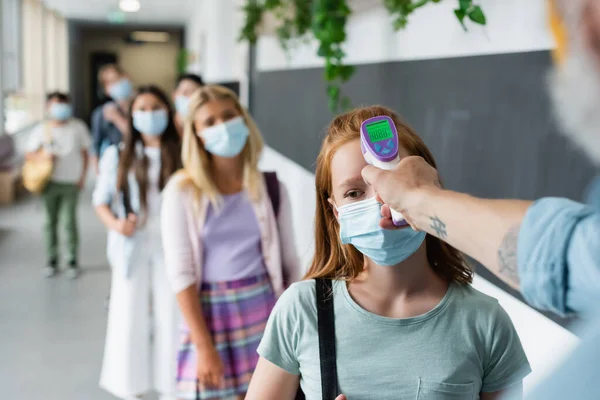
pixel 379 144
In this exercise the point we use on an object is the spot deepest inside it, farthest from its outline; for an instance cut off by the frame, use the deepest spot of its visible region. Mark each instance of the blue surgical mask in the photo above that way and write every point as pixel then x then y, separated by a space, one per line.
pixel 151 123
pixel 359 226
pixel 182 105
pixel 226 140
pixel 60 111
pixel 120 90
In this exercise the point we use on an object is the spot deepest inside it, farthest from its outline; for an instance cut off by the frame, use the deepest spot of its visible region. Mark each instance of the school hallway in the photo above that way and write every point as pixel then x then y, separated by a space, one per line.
pixel 53 329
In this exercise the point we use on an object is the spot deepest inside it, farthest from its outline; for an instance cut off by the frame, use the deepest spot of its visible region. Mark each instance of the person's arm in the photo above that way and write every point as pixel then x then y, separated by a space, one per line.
pixel 180 265
pixel 98 136
pixel 210 366
pixel 125 226
pixel 289 256
pixel 486 230
pixel 84 168
pixel 558 248
pixel 504 361
pixel 548 249
pixel 113 114
pixel 269 382
pixel 277 375
pixel 34 144
pixel 104 195
pixel 85 143
pixel 515 392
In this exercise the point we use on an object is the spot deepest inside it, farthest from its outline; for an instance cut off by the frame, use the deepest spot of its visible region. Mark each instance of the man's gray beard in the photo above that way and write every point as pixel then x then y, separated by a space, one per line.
pixel 575 92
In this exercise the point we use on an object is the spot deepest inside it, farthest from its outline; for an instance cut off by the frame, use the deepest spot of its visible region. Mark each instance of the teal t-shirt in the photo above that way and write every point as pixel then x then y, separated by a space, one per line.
pixel 466 345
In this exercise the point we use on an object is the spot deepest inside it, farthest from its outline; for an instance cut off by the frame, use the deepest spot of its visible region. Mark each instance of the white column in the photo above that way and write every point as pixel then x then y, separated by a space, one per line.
pixel 194 38
pixel 211 36
pixel 220 58
pixel 242 55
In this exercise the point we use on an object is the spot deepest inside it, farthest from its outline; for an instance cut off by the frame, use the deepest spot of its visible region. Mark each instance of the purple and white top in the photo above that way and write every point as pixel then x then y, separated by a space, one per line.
pixel 231 239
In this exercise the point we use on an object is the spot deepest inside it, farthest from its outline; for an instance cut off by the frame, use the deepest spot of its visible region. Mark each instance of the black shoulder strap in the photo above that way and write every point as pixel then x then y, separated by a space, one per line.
pixel 326 326
pixel 273 190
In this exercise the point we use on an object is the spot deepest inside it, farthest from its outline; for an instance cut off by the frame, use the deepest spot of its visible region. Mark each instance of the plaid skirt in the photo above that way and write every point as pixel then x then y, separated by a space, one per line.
pixel 236 314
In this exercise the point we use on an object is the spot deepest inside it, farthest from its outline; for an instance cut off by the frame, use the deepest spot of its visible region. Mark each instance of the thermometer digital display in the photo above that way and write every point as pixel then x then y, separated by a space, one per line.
pixel 379 144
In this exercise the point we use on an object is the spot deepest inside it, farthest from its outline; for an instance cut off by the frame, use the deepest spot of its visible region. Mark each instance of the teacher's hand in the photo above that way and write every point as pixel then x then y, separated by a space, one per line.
pixel 402 187
pixel 341 397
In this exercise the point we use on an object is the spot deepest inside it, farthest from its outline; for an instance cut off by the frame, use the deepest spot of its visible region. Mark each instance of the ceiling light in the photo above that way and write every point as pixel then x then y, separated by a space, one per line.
pixel 144 36
pixel 130 5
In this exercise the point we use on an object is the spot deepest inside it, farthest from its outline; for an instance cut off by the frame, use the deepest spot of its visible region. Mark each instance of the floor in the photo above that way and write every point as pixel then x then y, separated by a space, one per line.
pixel 51 330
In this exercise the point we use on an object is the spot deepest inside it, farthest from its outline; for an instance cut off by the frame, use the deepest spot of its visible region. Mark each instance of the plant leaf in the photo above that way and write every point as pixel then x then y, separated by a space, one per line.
pixel 331 72
pixel 465 4
pixel 333 91
pixel 346 103
pixel 477 16
pixel 346 72
pixel 460 14
pixel 324 50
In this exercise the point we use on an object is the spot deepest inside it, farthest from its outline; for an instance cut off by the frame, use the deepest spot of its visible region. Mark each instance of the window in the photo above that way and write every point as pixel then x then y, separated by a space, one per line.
pixel 34 60
pixel 11 37
pixel 56 51
pixel 11 61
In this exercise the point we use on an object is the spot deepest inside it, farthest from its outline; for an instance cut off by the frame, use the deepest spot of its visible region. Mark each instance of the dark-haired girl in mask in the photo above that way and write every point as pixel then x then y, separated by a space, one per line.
pixel 127 201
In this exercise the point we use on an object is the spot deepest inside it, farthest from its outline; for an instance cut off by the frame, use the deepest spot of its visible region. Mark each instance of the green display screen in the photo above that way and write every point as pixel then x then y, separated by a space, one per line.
pixel 379 131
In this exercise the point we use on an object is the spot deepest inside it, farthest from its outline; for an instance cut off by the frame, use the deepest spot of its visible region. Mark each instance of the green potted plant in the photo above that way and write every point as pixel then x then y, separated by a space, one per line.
pixel 326 21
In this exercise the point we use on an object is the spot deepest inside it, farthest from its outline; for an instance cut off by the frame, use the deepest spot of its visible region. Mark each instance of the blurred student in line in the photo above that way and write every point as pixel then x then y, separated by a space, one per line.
pixel 67 141
pixel 110 121
pixel 186 86
pixel 229 246
pixel 127 198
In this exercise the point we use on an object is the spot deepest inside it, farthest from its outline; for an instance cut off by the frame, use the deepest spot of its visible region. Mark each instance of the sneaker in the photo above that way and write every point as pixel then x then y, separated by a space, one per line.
pixel 73 271
pixel 51 269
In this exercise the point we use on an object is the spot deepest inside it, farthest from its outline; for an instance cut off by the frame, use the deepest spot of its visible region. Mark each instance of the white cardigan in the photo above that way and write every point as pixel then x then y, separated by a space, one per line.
pixel 182 224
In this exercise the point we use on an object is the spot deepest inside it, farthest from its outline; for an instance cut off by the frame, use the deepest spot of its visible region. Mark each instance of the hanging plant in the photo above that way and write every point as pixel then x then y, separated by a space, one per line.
pixel 183 59
pixel 327 19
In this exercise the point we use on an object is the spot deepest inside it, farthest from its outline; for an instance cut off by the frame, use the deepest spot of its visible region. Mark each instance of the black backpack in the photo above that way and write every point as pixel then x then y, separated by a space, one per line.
pixel 273 190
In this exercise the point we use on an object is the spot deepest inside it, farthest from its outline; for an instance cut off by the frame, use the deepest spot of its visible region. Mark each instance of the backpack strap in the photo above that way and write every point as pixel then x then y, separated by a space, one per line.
pixel 326 328
pixel 273 190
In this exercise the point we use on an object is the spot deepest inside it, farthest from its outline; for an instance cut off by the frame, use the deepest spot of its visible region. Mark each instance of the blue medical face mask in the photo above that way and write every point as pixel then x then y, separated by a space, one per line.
pixel 226 140
pixel 60 111
pixel 120 90
pixel 151 123
pixel 359 226
pixel 182 105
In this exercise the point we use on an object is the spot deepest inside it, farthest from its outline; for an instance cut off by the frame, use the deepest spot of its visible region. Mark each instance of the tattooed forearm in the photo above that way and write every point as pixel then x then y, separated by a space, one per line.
pixel 507 257
pixel 439 227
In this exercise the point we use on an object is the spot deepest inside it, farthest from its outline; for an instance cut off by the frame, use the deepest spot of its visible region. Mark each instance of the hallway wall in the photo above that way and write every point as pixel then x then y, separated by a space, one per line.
pixel 145 63
pixel 476 97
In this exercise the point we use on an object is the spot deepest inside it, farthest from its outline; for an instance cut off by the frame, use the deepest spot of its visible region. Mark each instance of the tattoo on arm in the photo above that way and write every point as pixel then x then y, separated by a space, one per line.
pixel 507 256
pixel 439 227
